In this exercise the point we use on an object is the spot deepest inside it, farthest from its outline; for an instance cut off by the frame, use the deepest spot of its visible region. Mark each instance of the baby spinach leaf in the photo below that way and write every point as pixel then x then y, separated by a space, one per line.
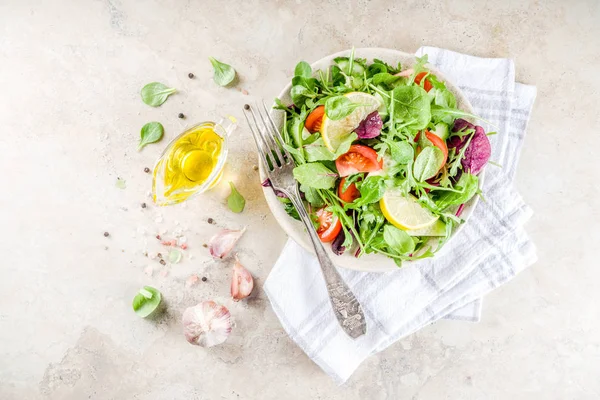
pixel 155 93
pixel 428 163
pixel 303 69
pixel 317 151
pixel 411 104
pixel 444 98
pixel 235 200
pixel 151 132
pixel 468 185
pixel 338 107
pixel 224 74
pixel 315 175
pixel 385 78
pixel 312 196
pixel 146 301
pixel 402 152
pixel 397 240
pixel 371 190
pixel 300 94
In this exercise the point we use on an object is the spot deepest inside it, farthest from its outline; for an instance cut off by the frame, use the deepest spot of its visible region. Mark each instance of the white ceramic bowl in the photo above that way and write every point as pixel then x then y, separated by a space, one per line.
pixel 295 229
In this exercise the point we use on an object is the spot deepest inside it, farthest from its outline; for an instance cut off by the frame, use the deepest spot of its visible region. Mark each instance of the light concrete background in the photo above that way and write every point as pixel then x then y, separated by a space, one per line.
pixel 70 115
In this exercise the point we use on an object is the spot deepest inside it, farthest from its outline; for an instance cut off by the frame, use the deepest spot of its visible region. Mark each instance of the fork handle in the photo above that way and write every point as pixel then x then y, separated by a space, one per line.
pixel 346 307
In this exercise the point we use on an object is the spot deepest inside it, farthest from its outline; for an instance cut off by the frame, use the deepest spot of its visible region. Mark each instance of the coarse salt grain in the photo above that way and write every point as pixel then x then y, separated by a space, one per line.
pixel 164 273
pixel 149 270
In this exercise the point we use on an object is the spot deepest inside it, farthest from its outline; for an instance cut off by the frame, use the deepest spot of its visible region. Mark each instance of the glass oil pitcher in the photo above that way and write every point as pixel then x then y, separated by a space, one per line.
pixel 192 162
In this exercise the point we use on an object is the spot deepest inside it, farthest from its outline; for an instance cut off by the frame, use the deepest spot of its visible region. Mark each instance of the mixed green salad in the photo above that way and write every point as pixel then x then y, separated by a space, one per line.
pixel 384 158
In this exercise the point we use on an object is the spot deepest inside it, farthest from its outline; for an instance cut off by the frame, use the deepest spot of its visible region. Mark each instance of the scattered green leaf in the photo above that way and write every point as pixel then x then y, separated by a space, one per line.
pixel 146 301
pixel 235 200
pixel 154 94
pixel 152 132
pixel 224 74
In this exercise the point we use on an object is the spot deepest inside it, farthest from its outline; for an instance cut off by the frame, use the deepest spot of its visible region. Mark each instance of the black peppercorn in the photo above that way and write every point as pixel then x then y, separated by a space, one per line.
pixel 191 76
pixel 146 170
pixel 210 221
pixel 204 279
pixel 246 106
pixel 106 234
pixel 143 205
pixel 162 262
pixel 181 115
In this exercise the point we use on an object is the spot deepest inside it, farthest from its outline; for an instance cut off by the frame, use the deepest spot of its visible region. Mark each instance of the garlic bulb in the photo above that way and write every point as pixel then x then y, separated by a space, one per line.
pixel 242 282
pixel 206 324
pixel 223 242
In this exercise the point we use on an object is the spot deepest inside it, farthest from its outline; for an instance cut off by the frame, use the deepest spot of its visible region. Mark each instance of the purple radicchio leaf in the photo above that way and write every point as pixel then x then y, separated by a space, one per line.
pixel 338 243
pixel 370 127
pixel 459 141
pixel 478 153
pixel 278 193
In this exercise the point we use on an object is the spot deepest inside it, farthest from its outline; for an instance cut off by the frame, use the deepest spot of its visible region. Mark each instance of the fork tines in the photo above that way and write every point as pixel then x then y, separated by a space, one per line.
pixel 266 136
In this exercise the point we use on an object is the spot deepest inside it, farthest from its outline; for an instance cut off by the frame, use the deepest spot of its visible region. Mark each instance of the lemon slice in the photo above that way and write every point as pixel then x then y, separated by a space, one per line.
pixel 405 212
pixel 334 132
pixel 438 228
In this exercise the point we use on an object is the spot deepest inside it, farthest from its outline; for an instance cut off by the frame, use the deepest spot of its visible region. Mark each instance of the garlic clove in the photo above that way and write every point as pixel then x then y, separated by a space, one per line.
pixel 206 324
pixel 223 242
pixel 242 282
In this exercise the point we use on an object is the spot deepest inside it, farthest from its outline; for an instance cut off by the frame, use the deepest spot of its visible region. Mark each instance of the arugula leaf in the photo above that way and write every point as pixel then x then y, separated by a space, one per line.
pixel 146 301
pixel 385 78
pixel 315 175
pixel 338 107
pixel 397 240
pixel 428 163
pixel 152 132
pixel 224 74
pixel 235 200
pixel 468 184
pixel 303 69
pixel 300 94
pixel 154 94
pixel 411 104
pixel 289 207
pixel 350 179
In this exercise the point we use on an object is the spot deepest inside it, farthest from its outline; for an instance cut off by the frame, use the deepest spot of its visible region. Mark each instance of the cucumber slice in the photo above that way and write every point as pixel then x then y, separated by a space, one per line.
pixel 343 63
pixel 442 131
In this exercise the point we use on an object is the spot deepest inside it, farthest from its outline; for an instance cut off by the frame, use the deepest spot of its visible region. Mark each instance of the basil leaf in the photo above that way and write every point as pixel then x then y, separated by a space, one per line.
pixel 146 301
pixel 312 196
pixel 235 200
pixel 397 240
pixel 371 190
pixel 224 74
pixel 468 185
pixel 151 132
pixel 303 69
pixel 155 93
pixel 428 163
pixel 315 175
pixel 411 103
pixel 401 152
pixel 338 107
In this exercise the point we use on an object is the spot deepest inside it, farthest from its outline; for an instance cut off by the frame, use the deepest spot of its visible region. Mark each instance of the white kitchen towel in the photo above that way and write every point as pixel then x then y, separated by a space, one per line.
pixel 490 250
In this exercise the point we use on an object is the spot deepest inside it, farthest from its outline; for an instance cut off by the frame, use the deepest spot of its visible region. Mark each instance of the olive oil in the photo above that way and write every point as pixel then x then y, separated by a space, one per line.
pixel 192 163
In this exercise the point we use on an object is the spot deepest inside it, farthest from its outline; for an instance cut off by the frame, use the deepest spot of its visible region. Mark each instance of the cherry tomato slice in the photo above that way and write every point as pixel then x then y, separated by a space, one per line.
pixel 329 225
pixel 314 119
pixel 350 194
pixel 427 85
pixel 358 159
pixel 439 143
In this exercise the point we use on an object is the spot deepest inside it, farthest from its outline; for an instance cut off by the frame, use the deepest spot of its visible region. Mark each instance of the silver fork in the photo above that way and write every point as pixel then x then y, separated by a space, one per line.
pixel 279 165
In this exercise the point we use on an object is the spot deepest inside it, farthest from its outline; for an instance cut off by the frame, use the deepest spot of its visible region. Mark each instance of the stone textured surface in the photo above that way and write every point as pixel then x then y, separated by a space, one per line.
pixel 70 115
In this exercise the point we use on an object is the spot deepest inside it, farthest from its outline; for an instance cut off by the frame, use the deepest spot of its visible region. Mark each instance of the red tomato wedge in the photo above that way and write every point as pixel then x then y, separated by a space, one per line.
pixel 329 225
pixel 440 144
pixel 348 195
pixel 358 159
pixel 314 119
pixel 427 85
